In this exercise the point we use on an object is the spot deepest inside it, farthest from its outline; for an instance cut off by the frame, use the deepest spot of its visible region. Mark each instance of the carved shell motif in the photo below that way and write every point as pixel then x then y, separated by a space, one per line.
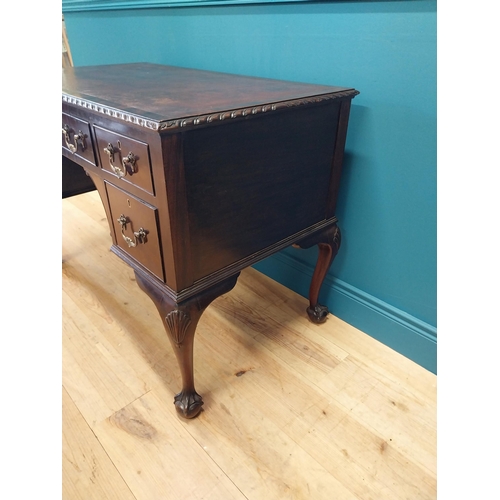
pixel 178 323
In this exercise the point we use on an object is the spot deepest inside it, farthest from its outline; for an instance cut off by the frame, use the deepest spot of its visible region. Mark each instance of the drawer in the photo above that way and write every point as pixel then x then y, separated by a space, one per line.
pixel 136 228
pixel 76 138
pixel 126 158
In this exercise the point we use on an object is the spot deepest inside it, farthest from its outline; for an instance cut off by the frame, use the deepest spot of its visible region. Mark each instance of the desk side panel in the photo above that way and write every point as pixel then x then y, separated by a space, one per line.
pixel 252 183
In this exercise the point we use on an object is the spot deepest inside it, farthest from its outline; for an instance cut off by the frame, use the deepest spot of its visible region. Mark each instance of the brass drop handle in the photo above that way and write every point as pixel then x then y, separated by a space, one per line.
pixel 73 145
pixel 110 150
pixel 127 161
pixel 139 236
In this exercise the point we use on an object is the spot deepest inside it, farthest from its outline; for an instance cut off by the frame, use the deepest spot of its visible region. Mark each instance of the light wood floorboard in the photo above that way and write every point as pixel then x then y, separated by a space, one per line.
pixel 292 410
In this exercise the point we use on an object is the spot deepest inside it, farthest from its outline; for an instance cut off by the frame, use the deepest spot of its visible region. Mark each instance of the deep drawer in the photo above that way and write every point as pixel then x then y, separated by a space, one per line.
pixel 76 138
pixel 126 158
pixel 136 228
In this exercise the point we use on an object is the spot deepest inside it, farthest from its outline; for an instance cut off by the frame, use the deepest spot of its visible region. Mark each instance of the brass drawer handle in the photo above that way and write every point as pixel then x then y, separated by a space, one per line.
pixel 139 236
pixel 80 137
pixel 128 162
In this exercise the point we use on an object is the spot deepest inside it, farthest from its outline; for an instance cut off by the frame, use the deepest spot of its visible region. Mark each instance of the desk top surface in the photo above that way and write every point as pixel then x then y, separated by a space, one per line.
pixel 163 93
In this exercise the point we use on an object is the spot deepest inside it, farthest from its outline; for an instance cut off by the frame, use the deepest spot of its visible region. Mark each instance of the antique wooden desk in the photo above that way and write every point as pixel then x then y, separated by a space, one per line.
pixel 202 174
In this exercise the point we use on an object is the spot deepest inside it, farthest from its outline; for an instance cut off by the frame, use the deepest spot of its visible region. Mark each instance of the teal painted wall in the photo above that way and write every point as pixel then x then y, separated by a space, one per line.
pixel 384 277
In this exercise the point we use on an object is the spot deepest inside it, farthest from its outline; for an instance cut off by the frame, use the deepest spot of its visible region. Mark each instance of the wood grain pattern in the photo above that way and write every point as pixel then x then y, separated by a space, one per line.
pixel 294 410
pixel 269 177
pixel 89 473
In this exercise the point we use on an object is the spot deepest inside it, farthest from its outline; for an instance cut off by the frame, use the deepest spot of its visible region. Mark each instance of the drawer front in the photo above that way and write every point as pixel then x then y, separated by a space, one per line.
pixel 136 228
pixel 126 158
pixel 76 138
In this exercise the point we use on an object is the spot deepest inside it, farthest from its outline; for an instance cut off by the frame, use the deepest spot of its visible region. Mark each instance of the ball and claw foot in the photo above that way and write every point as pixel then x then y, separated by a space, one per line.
pixel 318 313
pixel 188 404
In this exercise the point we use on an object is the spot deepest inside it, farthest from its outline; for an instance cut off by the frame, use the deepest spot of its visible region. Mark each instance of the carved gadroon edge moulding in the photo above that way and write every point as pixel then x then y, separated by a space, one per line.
pixel 206 119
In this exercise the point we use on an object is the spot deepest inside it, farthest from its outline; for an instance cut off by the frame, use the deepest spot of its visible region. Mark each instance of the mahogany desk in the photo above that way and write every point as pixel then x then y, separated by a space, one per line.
pixel 202 174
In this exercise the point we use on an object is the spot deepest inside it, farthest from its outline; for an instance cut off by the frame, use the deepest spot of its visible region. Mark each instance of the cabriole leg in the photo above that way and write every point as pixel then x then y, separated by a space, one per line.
pixel 180 320
pixel 328 242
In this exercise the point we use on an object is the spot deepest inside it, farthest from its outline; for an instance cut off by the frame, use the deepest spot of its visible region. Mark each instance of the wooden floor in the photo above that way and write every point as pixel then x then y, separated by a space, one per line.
pixel 292 410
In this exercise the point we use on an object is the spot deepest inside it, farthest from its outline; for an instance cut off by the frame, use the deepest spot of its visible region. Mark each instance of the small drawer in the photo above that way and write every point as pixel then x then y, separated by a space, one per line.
pixel 126 158
pixel 136 228
pixel 76 138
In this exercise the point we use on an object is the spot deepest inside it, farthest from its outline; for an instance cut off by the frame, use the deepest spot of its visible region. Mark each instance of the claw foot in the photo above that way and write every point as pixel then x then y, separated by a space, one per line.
pixel 318 313
pixel 188 404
